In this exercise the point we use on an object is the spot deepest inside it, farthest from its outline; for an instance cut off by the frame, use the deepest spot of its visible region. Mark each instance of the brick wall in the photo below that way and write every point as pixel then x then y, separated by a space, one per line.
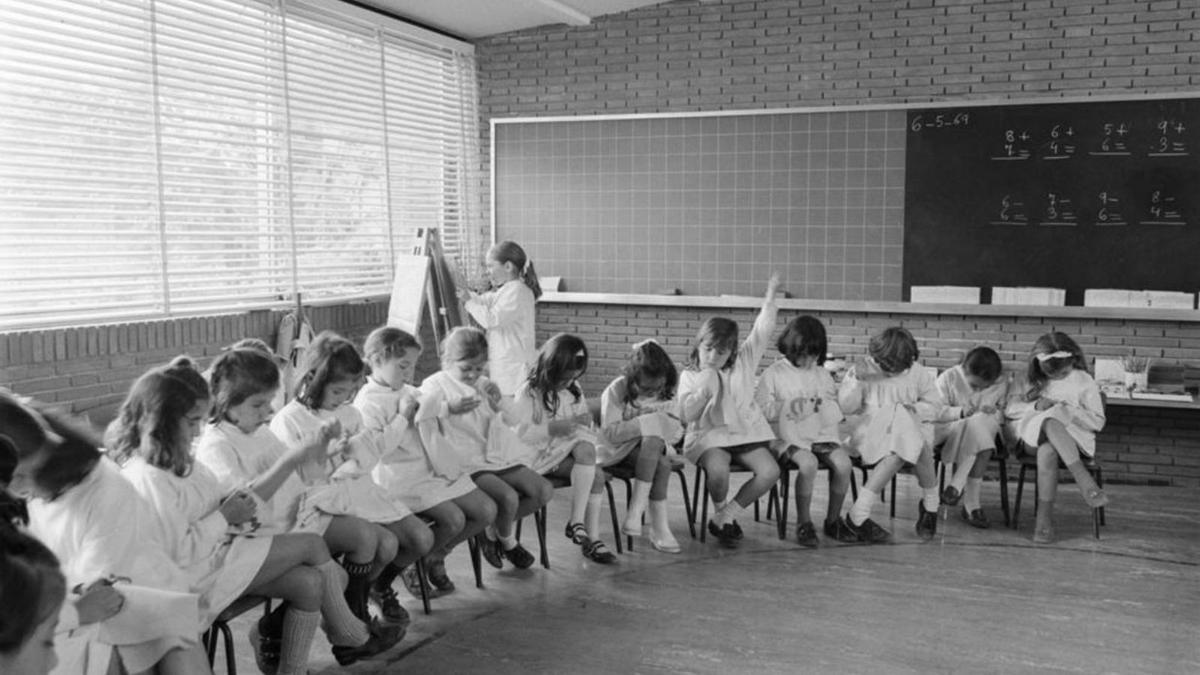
pixel 1138 445
pixel 704 55
pixel 89 369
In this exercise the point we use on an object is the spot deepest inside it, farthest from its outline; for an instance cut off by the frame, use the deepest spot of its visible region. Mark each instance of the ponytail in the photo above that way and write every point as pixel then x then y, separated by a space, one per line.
pixel 511 251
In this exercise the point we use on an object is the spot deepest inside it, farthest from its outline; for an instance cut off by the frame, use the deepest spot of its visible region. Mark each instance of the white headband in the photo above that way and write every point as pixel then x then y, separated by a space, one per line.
pixel 1042 358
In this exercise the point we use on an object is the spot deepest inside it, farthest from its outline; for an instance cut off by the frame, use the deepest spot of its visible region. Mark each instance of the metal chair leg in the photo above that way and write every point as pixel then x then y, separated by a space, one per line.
pixel 612 510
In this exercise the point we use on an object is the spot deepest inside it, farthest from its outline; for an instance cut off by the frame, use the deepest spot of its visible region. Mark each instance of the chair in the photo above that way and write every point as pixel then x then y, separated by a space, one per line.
pixel 780 492
pixel 476 564
pixel 700 499
pixel 220 626
pixel 625 473
pixel 541 516
pixel 1028 462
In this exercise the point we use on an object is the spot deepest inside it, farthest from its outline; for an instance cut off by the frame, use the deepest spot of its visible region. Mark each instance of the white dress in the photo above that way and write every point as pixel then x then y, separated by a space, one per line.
pixel 340 486
pixel 531 421
pixel 800 404
pixel 481 439
pixel 963 438
pixel 1080 409
pixel 406 471
pixel 878 415
pixel 731 416
pixel 624 425
pixel 102 527
pixel 507 314
pixel 219 559
pixel 237 458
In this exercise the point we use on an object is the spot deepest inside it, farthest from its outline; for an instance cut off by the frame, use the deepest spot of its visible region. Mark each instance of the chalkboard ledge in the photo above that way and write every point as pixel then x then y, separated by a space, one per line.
pixel 874 307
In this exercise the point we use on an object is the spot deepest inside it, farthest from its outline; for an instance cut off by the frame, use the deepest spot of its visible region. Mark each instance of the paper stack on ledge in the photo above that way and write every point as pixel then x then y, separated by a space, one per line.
pixel 960 295
pixel 1028 295
pixel 1116 297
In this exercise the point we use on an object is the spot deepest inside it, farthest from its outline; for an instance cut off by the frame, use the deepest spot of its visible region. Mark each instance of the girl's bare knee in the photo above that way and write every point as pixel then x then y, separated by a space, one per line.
pixel 584 453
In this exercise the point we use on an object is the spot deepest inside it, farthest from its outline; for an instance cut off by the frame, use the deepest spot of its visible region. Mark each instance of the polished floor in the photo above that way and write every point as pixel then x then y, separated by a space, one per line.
pixel 972 601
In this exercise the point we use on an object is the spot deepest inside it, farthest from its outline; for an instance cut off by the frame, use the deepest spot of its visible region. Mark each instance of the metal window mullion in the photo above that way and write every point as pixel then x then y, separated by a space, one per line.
pixel 159 213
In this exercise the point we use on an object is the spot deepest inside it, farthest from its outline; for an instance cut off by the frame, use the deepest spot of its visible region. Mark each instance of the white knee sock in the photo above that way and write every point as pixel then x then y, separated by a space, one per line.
pixel 637 507
pixel 582 476
pixel 971 494
pixel 660 526
pixel 298 630
pixel 341 626
pixel 931 499
pixel 863 505
pixel 591 519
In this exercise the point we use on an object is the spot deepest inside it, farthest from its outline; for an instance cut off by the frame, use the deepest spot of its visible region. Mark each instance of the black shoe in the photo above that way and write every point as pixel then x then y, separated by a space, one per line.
pixel 951 496
pixel 725 534
pixel 437 576
pixel 267 648
pixel 518 556
pixel 737 529
pixel 806 535
pixel 837 530
pixel 869 532
pixel 491 551
pixel 383 637
pixel 389 605
pixel 976 518
pixel 926 522
pixel 597 552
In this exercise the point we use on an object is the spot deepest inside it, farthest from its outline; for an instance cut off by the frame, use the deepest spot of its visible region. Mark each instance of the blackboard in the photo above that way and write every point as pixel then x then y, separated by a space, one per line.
pixel 708 203
pixel 1078 195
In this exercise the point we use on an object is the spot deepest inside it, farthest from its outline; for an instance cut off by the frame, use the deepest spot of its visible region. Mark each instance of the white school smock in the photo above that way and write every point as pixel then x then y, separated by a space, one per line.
pixel 1080 409
pixel 103 527
pixel 481 439
pixel 962 438
pixel 878 419
pixel 219 561
pixel 406 471
pixel 800 404
pixel 237 458
pixel 340 486
pixel 531 421
pixel 623 425
pixel 731 416
pixel 507 314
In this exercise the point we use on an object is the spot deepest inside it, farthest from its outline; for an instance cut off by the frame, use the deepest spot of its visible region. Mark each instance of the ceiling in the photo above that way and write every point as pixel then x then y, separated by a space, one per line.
pixel 472 19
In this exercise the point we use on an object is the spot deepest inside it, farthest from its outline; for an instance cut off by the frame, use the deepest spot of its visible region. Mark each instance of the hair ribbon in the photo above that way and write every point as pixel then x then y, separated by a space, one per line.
pixel 1060 354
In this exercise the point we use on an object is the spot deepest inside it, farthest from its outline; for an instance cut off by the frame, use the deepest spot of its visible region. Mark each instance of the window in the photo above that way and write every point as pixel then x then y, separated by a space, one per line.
pixel 163 157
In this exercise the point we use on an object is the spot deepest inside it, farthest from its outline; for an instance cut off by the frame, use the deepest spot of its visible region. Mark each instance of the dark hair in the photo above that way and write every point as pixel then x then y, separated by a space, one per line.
pixel 984 363
pixel 1048 344
pixel 650 360
pixel 12 509
pixel 560 355
pixel 329 358
pixel 464 343
pixel 387 343
pixel 510 251
pixel 153 414
pixel 65 450
pixel 239 374
pixel 894 350
pixel 723 333
pixel 32 587
pixel 802 337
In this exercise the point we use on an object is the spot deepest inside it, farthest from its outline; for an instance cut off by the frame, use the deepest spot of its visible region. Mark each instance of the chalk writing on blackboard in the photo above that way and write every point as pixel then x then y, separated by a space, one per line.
pixel 1114 140
pixel 1109 213
pixel 1059 210
pixel 1169 141
pixel 1015 146
pixel 1163 209
pixel 1012 212
pixel 940 120
pixel 1060 144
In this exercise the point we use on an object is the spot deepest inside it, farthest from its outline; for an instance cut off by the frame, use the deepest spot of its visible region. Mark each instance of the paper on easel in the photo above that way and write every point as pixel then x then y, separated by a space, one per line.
pixel 408 293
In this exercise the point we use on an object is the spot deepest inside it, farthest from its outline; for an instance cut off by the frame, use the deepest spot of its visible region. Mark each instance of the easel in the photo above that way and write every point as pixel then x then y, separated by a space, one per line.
pixel 437 292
